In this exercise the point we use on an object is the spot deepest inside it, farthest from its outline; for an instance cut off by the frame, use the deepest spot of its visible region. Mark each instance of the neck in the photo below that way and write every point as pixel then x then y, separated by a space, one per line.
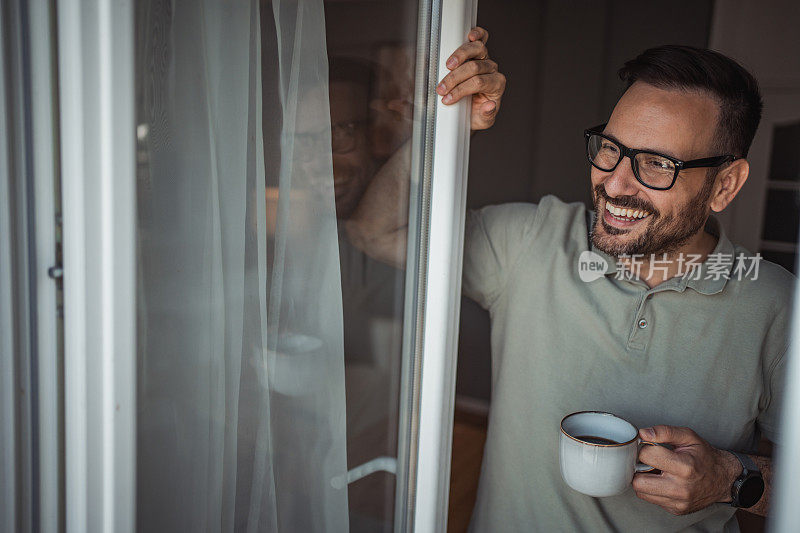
pixel 669 265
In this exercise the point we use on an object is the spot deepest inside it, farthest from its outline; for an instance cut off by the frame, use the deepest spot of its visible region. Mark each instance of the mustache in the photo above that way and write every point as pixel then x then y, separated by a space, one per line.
pixel 627 202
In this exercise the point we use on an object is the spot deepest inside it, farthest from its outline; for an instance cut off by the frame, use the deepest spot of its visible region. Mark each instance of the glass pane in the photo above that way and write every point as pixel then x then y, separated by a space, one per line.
pixel 272 351
pixel 372 85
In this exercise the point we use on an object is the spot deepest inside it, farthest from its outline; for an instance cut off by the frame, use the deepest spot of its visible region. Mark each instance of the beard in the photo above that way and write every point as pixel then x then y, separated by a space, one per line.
pixel 664 234
pixel 350 183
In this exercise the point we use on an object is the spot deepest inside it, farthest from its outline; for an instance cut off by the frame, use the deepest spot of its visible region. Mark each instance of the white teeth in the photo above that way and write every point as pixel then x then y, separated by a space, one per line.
pixel 629 213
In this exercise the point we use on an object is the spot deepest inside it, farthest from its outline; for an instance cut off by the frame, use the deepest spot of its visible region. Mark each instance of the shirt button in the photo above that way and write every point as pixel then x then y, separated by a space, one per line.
pixel 642 323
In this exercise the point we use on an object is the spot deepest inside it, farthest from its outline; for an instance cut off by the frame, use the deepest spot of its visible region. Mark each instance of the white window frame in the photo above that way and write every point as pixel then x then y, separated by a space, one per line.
pixel 786 487
pixel 43 109
pixel 96 90
pixel 31 463
pixel 442 300
pixel 8 428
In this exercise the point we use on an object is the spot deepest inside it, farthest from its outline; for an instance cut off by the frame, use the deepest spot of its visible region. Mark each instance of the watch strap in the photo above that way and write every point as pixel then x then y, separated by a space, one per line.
pixel 748 465
pixel 749 471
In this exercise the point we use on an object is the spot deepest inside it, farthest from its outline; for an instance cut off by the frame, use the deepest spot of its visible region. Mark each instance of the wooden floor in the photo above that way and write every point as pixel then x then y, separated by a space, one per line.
pixel 469 437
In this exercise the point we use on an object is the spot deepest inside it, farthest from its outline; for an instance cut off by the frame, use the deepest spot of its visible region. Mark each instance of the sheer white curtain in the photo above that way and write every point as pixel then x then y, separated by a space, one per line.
pixel 241 411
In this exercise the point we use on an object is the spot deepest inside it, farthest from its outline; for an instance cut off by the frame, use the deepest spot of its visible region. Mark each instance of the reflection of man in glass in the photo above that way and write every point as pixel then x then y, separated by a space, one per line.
pixel 353 163
pixel 372 293
pixel 369 287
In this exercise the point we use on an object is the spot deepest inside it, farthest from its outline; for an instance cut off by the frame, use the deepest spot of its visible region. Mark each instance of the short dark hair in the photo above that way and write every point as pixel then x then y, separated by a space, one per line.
pixel 351 70
pixel 690 68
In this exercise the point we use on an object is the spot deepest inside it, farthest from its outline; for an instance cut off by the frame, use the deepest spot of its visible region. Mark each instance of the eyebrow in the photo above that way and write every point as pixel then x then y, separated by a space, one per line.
pixel 660 152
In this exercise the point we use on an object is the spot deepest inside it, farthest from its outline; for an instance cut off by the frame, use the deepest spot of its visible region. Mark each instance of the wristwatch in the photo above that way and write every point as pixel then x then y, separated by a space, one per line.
pixel 749 486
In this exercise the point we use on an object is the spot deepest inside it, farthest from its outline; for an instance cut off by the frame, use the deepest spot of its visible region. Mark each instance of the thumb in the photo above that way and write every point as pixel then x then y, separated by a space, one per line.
pixel 483 115
pixel 677 436
pixel 488 108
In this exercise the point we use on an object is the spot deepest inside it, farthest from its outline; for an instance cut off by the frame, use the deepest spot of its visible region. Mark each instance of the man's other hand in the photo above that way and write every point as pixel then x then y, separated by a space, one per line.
pixel 473 73
pixel 694 473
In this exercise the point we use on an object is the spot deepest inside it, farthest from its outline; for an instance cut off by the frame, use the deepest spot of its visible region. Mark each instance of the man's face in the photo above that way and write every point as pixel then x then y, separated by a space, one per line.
pixel 353 164
pixel 673 122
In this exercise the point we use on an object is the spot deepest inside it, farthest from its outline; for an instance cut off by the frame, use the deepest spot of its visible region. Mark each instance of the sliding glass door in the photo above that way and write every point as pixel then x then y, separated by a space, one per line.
pixel 232 353
pixel 260 367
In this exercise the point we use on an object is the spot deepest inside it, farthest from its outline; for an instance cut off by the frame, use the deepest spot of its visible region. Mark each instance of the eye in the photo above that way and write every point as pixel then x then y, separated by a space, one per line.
pixel 659 163
pixel 609 147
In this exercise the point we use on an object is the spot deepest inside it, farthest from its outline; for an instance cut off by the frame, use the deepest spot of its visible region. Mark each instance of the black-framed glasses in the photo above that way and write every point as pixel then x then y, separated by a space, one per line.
pixel 653 170
pixel 344 136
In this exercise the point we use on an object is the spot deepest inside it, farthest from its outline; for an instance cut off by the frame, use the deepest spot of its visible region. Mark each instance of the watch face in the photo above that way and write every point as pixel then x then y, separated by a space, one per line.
pixel 750 491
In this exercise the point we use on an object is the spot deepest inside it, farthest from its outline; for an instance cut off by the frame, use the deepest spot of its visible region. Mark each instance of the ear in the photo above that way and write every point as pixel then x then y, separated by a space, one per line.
pixel 728 183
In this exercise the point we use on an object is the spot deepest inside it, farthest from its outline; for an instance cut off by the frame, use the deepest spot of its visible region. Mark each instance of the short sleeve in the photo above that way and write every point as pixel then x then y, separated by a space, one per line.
pixel 777 287
pixel 494 239
pixel 769 418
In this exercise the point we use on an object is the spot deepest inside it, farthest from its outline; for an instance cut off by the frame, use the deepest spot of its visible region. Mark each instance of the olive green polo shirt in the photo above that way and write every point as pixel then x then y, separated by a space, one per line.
pixel 705 351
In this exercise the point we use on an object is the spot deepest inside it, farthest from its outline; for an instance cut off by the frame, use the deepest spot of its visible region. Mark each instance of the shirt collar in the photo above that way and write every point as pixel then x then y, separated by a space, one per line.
pixel 716 269
pixel 712 275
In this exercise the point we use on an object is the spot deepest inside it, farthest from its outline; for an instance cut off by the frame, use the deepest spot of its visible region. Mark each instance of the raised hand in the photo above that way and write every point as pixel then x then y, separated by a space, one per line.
pixel 472 73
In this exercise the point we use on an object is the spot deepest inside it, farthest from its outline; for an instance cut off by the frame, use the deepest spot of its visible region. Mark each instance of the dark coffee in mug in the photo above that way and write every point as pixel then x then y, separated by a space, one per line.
pixel 598 453
pixel 596 440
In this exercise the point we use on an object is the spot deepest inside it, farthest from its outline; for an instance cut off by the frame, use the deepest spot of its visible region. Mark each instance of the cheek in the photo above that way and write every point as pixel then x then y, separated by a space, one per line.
pixel 596 177
pixel 344 163
pixel 671 204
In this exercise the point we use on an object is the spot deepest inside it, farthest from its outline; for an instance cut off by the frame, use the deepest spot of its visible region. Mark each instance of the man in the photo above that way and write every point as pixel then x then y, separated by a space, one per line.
pixel 695 357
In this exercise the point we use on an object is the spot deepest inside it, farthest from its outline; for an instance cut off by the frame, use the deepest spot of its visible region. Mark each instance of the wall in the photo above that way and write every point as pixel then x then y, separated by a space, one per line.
pixel 765 39
pixel 560 59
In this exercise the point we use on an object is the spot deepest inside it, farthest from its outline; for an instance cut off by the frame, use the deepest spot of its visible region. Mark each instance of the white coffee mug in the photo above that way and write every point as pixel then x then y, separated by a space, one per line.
pixel 598 453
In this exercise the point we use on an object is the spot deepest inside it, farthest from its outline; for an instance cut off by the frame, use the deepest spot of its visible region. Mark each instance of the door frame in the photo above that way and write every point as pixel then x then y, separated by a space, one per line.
pixel 97 136
pixel 433 275
pixel 29 324
pixel 97 133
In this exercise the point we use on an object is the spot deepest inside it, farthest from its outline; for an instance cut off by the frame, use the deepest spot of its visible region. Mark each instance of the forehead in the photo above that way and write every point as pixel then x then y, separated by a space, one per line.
pixel 349 101
pixel 673 121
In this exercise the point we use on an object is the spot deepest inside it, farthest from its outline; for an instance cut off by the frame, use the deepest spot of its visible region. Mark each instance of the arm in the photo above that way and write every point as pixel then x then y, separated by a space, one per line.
pixel 379 224
pixel 694 473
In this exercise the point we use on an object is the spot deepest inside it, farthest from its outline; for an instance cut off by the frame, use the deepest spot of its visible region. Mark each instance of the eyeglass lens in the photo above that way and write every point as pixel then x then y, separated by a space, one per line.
pixel 344 137
pixel 652 169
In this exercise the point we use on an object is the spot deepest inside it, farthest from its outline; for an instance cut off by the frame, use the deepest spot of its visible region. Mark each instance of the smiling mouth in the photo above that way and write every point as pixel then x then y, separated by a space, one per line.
pixel 623 216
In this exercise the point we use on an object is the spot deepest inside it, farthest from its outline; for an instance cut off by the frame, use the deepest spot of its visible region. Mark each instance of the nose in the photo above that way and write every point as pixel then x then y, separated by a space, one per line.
pixel 622 181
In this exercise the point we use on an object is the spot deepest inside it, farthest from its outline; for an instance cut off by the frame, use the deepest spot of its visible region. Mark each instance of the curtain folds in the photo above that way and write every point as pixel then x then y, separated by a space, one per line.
pixel 241 411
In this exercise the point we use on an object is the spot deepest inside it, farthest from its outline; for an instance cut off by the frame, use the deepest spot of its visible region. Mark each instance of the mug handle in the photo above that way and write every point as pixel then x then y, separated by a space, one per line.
pixel 641 467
